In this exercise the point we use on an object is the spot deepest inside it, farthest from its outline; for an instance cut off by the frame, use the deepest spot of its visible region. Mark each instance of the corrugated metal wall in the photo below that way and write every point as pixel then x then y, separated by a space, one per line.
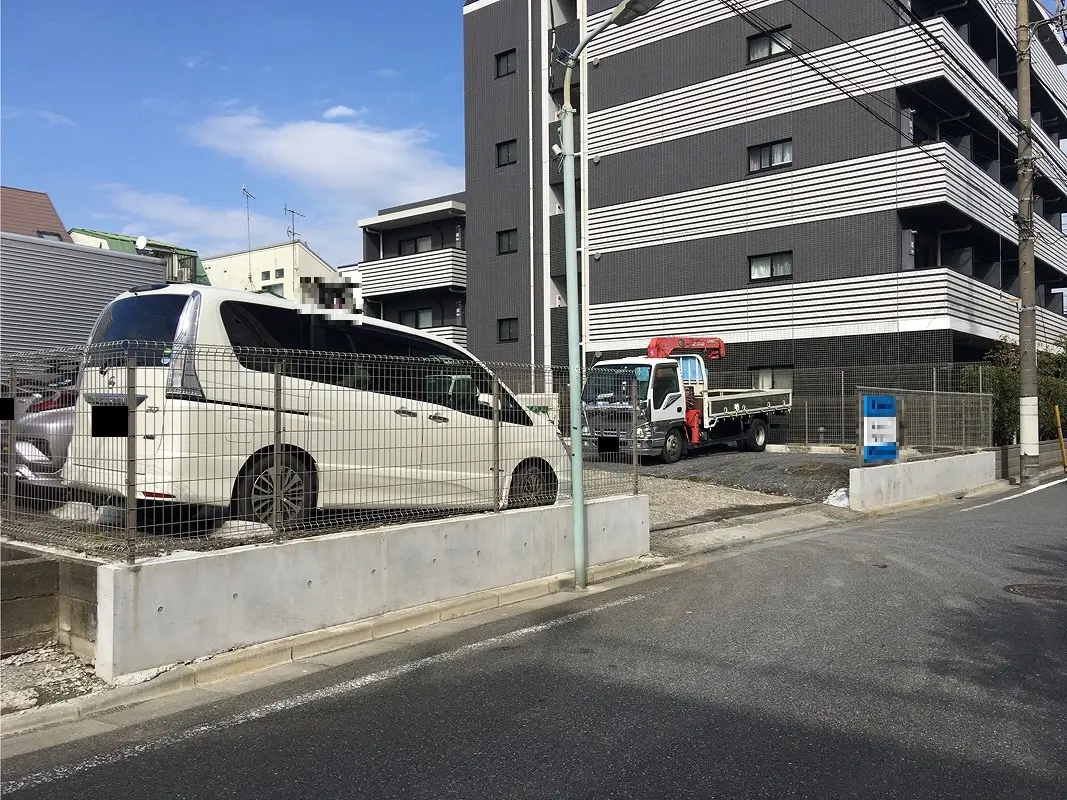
pixel 51 293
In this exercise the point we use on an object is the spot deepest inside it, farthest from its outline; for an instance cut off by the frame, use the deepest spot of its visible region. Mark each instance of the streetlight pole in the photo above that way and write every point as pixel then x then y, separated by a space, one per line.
pixel 623 13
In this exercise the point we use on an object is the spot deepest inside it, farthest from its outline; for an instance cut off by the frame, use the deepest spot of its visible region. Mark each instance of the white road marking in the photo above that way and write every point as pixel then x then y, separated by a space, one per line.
pixel 66 771
pixel 1017 496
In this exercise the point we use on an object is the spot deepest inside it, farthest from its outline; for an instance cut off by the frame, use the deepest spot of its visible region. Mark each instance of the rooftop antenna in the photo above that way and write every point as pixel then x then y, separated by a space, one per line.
pixel 292 234
pixel 248 223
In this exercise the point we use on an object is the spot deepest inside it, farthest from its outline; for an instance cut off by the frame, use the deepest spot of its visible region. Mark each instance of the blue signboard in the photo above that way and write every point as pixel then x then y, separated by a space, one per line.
pixel 879 428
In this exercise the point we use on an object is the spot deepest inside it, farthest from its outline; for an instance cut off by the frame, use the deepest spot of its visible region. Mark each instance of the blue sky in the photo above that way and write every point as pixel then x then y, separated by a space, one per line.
pixel 147 118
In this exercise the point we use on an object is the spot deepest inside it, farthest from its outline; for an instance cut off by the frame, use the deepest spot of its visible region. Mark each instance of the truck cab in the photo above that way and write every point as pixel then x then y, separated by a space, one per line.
pixel 664 406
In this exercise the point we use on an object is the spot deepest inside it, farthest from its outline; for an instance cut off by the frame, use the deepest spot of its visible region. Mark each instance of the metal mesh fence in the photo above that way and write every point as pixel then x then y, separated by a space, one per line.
pixel 140 448
pixel 930 423
pixel 824 400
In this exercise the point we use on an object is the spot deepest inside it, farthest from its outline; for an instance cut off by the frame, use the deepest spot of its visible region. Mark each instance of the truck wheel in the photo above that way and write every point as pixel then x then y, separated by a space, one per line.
pixel 673 446
pixel 756 437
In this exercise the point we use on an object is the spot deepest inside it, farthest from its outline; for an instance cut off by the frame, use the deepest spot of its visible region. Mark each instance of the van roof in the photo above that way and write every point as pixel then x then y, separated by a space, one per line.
pixel 219 294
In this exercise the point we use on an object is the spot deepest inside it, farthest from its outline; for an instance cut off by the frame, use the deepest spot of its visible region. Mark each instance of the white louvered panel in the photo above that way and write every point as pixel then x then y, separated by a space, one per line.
pixel 861 305
pixel 934 299
pixel 881 182
pixel 980 197
pixel 868 65
pixel 450 333
pixel 43 282
pixel 666 20
pixel 1003 14
pixel 447 267
pixel 977 73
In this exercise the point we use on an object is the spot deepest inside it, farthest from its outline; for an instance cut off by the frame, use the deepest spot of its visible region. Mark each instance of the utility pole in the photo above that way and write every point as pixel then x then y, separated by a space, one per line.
pixel 1029 448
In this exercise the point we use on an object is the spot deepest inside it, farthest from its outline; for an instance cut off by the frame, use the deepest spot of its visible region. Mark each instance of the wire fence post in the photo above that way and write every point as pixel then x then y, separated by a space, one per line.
pixel 807 439
pixel 635 454
pixel 131 457
pixel 275 488
pixel 844 438
pixel 496 443
pixel 933 416
pixel 9 444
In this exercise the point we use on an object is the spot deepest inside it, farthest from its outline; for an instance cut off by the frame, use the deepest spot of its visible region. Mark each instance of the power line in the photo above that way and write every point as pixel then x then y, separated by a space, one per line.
pixel 813 62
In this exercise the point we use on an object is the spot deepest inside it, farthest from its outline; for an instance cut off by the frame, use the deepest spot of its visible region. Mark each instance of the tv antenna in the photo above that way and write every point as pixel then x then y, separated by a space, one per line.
pixel 292 234
pixel 248 224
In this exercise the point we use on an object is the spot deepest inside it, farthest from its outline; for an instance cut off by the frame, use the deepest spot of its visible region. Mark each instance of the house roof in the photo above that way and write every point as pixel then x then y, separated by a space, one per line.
pixel 128 244
pixel 29 213
pixel 304 245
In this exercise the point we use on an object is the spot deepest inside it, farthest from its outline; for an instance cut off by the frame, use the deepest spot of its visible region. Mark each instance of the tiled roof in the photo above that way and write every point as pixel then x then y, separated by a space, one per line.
pixel 29 214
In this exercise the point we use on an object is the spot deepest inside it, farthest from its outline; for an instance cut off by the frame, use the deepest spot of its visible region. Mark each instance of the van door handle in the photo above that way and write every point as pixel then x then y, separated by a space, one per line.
pixel 405 413
pixel 438 418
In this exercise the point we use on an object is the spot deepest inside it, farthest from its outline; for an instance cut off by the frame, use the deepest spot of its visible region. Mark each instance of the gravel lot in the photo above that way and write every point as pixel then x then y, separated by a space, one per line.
pixel 803 476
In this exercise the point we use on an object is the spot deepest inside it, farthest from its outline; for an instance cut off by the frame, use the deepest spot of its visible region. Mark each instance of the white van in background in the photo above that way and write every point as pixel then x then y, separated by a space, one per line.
pixel 373 415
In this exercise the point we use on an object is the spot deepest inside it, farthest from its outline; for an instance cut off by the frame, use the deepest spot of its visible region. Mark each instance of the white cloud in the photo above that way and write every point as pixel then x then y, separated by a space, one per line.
pixel 336 172
pixel 192 62
pixel 387 72
pixel 368 166
pixel 337 112
pixel 53 119
pixel 212 230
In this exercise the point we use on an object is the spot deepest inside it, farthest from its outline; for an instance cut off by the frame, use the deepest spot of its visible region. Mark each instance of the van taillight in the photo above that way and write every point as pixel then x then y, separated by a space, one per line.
pixel 183 382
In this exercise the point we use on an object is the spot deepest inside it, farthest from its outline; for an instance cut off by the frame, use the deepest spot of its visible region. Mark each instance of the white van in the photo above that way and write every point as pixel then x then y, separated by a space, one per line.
pixel 364 425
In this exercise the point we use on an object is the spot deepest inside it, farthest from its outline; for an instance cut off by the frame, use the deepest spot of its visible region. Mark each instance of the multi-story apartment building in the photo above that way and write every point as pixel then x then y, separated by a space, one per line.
pixel 414 268
pixel 818 182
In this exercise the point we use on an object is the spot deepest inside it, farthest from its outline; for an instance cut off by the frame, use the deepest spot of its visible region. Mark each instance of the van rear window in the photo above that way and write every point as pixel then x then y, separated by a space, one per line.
pixel 147 322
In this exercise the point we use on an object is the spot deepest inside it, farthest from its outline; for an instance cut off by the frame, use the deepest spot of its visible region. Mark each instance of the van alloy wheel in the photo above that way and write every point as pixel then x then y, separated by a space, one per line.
pixel 255 491
pixel 532 485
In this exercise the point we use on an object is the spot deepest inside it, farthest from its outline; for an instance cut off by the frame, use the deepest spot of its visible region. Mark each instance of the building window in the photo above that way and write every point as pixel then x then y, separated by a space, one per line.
pixel 417 318
pixel 767 45
pixel 408 247
pixel 279 273
pixel 769 156
pixel 275 288
pixel 770 265
pixel 506 63
pixel 507 330
pixel 50 235
pixel 507 153
pixel 507 241
pixel 265 275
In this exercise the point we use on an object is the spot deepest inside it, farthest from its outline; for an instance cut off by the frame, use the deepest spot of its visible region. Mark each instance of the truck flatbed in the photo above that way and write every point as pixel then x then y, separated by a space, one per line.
pixel 733 403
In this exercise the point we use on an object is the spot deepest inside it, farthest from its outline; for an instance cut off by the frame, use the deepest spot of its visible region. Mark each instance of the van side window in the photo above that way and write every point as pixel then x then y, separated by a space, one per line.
pixel 252 325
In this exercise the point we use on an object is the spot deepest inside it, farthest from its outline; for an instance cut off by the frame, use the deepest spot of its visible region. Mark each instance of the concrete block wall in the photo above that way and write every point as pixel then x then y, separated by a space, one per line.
pixel 47 600
pixel 28 587
pixel 175 608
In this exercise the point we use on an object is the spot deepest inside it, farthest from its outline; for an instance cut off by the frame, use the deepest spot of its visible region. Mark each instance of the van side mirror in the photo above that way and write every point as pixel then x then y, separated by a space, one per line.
pixel 485 399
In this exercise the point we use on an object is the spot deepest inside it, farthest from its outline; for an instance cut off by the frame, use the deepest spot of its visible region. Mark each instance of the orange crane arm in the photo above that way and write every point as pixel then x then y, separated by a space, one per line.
pixel 663 346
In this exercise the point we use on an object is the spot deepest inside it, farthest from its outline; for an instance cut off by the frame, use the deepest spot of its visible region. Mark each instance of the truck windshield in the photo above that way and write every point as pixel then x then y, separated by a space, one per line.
pixel 611 384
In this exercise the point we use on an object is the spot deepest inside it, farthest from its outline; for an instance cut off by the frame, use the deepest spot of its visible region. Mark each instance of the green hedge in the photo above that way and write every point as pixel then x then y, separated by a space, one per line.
pixel 1000 378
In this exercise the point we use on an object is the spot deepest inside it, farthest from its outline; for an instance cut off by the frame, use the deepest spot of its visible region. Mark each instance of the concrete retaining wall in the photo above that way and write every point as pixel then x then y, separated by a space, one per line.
pixel 871 488
pixel 179 607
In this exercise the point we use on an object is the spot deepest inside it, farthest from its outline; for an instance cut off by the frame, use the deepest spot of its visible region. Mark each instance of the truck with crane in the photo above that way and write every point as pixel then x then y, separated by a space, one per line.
pixel 663 404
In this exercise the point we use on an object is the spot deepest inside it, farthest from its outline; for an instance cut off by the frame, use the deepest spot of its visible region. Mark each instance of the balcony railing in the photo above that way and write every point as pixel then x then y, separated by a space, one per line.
pixel 430 270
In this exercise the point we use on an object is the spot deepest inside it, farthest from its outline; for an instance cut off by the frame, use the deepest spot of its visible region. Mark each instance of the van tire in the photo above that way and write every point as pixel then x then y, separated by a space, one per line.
pixel 755 440
pixel 532 484
pixel 253 498
pixel 673 446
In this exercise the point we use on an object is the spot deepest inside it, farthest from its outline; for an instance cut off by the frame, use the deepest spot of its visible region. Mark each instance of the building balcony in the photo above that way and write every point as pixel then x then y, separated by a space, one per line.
pixel 450 333
pixel 433 269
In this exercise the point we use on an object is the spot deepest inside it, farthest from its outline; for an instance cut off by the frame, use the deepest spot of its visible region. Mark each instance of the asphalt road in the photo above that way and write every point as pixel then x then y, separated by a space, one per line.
pixel 882 660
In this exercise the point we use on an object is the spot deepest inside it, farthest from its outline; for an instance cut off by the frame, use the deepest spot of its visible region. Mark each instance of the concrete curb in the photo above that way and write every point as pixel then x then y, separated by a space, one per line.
pixel 258 657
